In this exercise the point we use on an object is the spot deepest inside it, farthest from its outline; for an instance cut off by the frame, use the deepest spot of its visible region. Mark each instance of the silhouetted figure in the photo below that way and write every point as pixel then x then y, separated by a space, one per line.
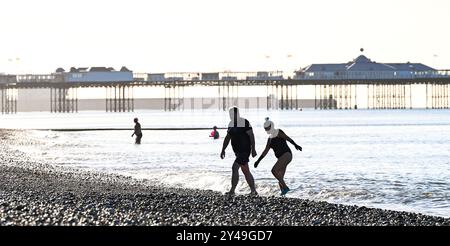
pixel 277 142
pixel 214 134
pixel 240 133
pixel 137 131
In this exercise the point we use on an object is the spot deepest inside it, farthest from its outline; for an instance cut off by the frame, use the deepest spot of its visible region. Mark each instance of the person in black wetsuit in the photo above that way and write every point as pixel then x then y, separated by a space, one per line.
pixel 137 131
pixel 277 142
pixel 240 133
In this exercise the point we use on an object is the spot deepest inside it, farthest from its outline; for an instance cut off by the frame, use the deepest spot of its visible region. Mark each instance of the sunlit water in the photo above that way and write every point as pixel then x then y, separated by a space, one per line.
pixel 397 159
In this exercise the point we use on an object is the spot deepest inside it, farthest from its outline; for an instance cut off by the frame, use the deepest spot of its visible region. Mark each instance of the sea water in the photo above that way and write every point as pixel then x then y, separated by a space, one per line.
pixel 391 159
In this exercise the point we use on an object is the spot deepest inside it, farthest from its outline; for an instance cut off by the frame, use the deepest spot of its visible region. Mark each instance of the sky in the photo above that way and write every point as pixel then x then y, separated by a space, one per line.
pixel 219 35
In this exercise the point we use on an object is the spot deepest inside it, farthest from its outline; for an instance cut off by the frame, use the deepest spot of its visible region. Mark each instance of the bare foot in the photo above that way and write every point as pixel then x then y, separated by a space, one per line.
pixel 253 193
pixel 229 194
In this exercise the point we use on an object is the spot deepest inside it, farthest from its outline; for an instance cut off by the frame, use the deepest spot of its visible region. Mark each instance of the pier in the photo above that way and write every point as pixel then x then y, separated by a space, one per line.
pixel 358 84
pixel 280 94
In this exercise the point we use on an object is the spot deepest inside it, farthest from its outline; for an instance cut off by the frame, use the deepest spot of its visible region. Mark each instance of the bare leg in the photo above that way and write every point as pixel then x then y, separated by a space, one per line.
pixel 234 177
pixel 279 169
pixel 283 171
pixel 249 177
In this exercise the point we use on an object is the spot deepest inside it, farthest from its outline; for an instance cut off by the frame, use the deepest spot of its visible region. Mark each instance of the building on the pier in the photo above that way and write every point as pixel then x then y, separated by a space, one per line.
pixel 364 68
pixel 7 78
pixel 39 78
pixel 210 76
pixel 263 75
pixel 155 77
pixel 96 74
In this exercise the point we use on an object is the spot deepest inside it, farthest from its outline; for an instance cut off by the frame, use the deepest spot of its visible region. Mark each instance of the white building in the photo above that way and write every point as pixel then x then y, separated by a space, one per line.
pixel 363 68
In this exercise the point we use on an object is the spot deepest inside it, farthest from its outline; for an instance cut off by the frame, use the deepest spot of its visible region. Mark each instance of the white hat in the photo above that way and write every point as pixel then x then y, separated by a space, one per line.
pixel 269 126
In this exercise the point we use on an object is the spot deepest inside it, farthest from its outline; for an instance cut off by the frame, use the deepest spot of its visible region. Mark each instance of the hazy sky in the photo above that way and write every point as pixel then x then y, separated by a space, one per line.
pixel 213 35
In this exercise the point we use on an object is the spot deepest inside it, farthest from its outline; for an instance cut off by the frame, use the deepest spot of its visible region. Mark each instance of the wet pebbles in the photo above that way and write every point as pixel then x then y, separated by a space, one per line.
pixel 38 194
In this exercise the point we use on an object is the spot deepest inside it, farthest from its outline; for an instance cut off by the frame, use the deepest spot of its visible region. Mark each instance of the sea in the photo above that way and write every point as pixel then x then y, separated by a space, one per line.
pixel 389 159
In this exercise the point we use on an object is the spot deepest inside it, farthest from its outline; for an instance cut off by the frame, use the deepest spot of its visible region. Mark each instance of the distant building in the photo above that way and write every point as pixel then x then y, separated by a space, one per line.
pixel 363 68
pixel 96 74
pixel 7 79
pixel 155 77
pixel 210 76
pixel 40 78
pixel 263 75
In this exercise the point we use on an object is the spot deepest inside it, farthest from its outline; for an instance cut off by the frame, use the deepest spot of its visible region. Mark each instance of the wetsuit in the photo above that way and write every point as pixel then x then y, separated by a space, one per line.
pixel 240 140
pixel 214 134
pixel 279 145
pixel 138 132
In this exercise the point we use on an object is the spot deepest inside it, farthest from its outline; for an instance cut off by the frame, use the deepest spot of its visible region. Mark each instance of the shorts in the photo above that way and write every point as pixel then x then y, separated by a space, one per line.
pixel 242 158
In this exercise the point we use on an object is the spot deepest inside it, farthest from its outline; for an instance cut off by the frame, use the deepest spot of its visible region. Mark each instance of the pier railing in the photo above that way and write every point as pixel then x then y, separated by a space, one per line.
pixel 246 78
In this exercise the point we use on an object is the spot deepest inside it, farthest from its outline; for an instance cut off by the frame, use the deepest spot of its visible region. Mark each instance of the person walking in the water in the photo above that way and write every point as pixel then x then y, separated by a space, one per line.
pixel 137 131
pixel 240 133
pixel 277 141
pixel 214 134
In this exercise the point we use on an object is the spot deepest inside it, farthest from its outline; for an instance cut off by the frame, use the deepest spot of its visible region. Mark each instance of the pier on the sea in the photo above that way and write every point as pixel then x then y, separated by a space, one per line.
pixel 335 86
pixel 280 94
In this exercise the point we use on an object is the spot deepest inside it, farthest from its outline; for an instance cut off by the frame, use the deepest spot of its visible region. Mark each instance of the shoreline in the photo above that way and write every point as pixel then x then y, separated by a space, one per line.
pixel 118 129
pixel 34 196
pixel 41 194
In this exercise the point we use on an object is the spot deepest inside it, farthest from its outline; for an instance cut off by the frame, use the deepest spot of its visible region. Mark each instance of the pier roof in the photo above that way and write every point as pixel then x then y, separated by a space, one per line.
pixel 362 63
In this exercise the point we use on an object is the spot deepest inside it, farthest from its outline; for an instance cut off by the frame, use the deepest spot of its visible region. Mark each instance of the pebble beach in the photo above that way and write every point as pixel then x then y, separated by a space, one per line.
pixel 41 194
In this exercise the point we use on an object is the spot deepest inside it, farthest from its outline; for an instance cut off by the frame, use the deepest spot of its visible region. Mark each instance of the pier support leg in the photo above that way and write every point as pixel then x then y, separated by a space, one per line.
pixel 218 96
pixel 2 95
pixel 345 97
pixel 320 96
pixel 224 105
pixel 446 96
pixel 8 100
pixel 64 100
pixel 291 97
pixel 351 96
pixel 106 99
pixel 267 96
pixel 410 96
pixel 315 97
pixel 403 101
pixel 388 96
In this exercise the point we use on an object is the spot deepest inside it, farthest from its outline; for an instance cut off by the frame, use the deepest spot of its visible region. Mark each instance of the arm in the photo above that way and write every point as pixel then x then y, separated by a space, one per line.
pixel 252 142
pixel 264 153
pixel 287 138
pixel 226 141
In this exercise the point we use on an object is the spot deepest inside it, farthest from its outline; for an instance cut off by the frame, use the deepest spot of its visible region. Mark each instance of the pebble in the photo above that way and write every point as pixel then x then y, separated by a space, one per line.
pixel 39 194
